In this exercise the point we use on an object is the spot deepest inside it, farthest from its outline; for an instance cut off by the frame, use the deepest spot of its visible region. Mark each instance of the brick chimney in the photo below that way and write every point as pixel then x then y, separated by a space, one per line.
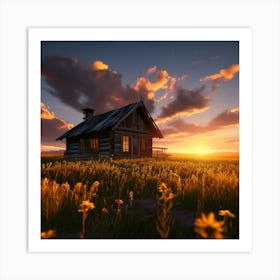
pixel 88 112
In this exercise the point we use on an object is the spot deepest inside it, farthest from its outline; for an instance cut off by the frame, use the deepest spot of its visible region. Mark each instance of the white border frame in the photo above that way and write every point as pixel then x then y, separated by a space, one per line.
pixel 262 16
pixel 243 35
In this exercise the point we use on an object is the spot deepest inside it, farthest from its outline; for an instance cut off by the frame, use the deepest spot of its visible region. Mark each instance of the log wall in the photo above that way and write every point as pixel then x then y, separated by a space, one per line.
pixel 110 143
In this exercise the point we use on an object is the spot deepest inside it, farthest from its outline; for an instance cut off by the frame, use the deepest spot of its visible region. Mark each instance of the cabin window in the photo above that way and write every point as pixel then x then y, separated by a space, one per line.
pixel 143 144
pixel 125 143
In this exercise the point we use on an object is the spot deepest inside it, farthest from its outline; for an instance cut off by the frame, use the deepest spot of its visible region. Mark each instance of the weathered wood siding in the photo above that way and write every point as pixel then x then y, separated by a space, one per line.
pixel 140 137
pixel 110 143
pixel 72 146
pixel 105 148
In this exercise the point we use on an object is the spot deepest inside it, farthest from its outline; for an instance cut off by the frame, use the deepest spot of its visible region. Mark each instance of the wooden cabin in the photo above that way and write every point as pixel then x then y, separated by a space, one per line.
pixel 126 132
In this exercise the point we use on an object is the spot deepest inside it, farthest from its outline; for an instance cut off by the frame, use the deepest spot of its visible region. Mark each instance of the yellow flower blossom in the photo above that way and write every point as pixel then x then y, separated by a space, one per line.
pixel 119 201
pixel 226 213
pixel 78 185
pixel 208 227
pixel 45 181
pixel 162 187
pixel 85 206
pixel 96 184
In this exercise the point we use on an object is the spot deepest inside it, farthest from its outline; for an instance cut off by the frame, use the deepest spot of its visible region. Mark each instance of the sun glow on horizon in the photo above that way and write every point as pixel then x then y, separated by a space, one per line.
pixel 47 148
pixel 201 150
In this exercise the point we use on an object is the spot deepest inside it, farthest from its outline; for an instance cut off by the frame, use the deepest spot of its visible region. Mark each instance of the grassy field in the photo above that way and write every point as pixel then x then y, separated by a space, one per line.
pixel 177 197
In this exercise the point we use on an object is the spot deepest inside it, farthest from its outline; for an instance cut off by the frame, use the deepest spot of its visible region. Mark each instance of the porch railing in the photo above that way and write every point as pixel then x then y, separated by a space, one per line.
pixel 159 152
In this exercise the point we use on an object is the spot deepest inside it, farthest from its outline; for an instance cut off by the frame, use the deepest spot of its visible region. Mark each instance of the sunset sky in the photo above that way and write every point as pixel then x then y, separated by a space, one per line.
pixel 190 88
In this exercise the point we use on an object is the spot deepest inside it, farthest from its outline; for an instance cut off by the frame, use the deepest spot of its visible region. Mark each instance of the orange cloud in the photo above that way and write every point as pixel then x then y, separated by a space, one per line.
pixel 172 84
pixel 173 81
pixel 151 70
pixel 160 83
pixel 99 65
pixel 225 74
pixel 150 95
pixel 45 113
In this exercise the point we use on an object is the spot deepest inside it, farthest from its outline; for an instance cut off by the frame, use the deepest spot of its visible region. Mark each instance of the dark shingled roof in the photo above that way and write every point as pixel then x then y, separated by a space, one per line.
pixel 109 120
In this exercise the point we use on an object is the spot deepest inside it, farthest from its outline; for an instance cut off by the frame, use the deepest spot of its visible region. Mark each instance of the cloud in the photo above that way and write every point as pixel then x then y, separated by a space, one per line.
pixel 161 80
pixel 186 102
pixel 51 126
pixel 172 84
pixel 227 117
pixel 151 95
pixel 99 65
pixel 96 87
pixel 182 127
pixel 224 74
pixel 45 113
pixel 151 70
pixel 224 119
pixel 162 97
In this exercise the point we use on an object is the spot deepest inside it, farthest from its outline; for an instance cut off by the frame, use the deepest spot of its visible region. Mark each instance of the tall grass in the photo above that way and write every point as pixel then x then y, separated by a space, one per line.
pixel 198 186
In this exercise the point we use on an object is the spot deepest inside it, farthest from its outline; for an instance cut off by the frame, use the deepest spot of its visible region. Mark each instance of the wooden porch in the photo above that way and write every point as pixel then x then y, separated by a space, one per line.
pixel 159 152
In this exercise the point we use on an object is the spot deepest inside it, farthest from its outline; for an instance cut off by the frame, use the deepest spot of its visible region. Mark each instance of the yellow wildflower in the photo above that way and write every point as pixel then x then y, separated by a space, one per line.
pixel 226 213
pixel 209 227
pixel 65 186
pixel 78 185
pixel 96 184
pixel 162 187
pixel 86 205
pixel 45 181
pixel 48 234
pixel 119 201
